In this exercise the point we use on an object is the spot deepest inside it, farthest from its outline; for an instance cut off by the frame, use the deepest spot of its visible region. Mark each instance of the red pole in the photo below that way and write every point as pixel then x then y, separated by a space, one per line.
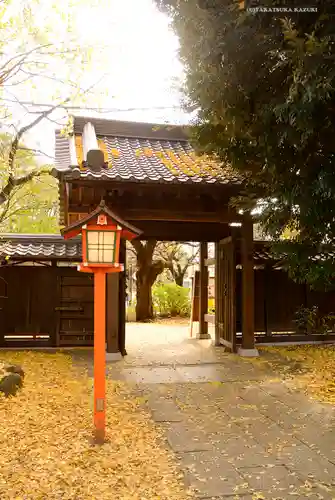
pixel 99 355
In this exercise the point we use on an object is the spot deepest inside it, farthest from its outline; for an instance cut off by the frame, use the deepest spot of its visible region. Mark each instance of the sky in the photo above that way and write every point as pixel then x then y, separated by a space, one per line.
pixel 133 58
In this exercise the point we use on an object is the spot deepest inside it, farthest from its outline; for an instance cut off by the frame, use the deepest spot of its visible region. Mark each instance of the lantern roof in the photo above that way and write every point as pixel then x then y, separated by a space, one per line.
pixel 128 231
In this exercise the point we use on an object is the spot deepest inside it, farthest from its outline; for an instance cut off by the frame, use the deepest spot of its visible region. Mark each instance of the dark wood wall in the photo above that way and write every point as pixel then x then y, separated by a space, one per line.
pixel 50 306
pixel 27 306
pixel 75 320
pixel 53 306
pixel 277 298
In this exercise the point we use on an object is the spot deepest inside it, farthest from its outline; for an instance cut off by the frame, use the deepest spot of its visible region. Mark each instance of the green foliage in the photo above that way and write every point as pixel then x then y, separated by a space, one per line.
pixel 171 300
pixel 32 207
pixel 263 87
pixel 42 59
pixel 311 320
pixel 131 313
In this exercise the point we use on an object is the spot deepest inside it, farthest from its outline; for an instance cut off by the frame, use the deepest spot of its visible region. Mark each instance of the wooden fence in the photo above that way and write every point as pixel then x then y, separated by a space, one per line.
pixel 45 306
pixel 277 299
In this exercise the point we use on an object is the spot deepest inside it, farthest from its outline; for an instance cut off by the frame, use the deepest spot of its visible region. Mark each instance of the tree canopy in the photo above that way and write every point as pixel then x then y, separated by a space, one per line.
pixel 40 59
pixel 262 86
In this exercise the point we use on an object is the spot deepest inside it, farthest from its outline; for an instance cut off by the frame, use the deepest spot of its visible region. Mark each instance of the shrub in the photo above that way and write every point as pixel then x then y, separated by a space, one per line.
pixel 131 313
pixel 311 320
pixel 211 306
pixel 170 299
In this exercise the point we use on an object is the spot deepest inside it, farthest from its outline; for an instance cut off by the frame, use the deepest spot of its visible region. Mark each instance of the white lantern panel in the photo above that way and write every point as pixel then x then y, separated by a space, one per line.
pixel 101 247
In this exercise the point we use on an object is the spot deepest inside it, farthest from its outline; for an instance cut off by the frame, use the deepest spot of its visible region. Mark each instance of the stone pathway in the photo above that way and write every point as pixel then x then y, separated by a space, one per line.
pixel 237 431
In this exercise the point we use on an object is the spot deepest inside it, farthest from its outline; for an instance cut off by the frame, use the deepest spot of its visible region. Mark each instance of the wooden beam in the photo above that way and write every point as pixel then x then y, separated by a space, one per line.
pixel 137 214
pixel 149 214
pixel 248 335
pixel 203 295
pixel 177 230
pixel 181 231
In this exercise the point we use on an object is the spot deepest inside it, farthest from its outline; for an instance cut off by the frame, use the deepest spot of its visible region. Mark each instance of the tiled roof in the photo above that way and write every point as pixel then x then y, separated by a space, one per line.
pixel 53 246
pixel 39 246
pixel 262 252
pixel 140 152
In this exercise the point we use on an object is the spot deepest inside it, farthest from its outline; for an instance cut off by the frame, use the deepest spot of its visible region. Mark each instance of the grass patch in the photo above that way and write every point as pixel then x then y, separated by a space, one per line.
pixel 45 446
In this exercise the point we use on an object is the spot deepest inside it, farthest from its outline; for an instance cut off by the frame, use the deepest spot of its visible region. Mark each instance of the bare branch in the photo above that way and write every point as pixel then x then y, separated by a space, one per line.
pixel 23 54
pixel 3 215
pixel 59 124
pixel 37 151
pixel 17 182
pixel 7 72
pixel 16 140
pixel 30 74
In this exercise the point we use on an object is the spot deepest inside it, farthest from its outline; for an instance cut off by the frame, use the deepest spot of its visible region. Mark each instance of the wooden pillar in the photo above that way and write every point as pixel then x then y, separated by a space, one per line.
pixel 99 356
pixel 248 290
pixel 217 293
pixel 58 301
pixel 203 295
pixel 122 301
pixel 112 315
pixel 267 292
pixel 3 294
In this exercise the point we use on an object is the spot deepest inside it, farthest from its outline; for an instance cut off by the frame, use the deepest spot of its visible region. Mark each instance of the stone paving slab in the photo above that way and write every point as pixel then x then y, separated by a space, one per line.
pixel 310 465
pixel 209 372
pixel 277 480
pixel 213 424
pixel 229 497
pixel 211 475
pixel 164 410
pixel 182 438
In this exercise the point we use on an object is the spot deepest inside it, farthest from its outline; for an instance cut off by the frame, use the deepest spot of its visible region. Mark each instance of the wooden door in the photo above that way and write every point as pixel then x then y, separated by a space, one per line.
pixel 28 311
pixel 225 301
pixel 76 308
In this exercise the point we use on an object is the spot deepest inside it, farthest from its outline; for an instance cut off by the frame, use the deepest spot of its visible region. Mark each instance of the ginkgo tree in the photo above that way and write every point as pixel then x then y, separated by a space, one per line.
pixel 39 57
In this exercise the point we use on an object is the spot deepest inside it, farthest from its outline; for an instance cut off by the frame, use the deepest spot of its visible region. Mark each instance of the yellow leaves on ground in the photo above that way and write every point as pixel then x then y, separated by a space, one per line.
pixel 317 374
pixel 45 440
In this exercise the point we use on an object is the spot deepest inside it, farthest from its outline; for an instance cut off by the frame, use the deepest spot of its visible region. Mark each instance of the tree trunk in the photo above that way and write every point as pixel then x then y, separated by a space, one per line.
pixel 147 272
pixel 179 279
pixel 144 308
pixel 145 277
pixel 178 272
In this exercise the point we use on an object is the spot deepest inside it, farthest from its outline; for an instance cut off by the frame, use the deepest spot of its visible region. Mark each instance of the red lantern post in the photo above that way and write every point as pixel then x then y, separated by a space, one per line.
pixel 101 233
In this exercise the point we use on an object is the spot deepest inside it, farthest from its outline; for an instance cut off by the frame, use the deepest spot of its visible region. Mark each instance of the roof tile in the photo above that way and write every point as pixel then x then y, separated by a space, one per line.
pixel 39 247
pixel 143 159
